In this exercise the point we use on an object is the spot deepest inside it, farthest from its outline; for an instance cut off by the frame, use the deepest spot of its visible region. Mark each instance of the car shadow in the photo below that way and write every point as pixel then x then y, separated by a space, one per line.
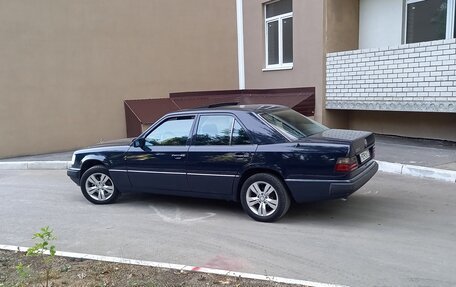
pixel 356 209
pixel 203 204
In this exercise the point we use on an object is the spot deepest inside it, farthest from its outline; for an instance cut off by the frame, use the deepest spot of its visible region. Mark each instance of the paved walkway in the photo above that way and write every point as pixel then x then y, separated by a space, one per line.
pixel 58 156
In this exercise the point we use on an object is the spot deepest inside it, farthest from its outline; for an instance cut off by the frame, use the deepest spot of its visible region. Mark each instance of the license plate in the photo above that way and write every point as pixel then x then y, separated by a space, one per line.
pixel 365 155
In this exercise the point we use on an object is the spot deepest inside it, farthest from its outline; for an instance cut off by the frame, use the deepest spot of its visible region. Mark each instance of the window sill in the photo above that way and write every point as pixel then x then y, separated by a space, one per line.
pixel 278 68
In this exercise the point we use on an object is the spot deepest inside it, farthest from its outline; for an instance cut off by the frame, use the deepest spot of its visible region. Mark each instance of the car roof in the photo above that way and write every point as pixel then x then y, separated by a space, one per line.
pixel 232 108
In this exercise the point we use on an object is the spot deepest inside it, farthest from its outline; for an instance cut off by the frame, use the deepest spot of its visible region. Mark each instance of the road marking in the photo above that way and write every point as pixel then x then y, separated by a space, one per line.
pixel 177 219
pixel 224 262
pixel 180 267
pixel 369 192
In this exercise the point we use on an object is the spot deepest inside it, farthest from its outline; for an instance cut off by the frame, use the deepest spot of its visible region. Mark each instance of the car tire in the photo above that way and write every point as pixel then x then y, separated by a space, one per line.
pixel 264 197
pixel 98 187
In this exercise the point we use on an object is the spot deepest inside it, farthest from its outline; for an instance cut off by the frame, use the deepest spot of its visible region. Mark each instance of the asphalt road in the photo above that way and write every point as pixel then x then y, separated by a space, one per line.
pixel 395 231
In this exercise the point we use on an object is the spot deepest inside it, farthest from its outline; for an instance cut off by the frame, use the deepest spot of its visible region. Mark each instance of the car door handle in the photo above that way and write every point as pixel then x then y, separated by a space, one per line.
pixel 178 155
pixel 242 155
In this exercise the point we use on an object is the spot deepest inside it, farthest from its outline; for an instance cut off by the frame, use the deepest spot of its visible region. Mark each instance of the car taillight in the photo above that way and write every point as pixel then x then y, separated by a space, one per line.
pixel 346 164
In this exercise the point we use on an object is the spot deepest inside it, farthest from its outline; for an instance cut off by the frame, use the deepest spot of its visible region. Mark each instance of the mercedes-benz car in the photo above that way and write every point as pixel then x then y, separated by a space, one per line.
pixel 263 156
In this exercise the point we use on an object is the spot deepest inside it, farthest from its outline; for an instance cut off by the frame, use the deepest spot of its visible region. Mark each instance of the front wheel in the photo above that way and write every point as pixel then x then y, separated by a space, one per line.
pixel 264 197
pixel 97 186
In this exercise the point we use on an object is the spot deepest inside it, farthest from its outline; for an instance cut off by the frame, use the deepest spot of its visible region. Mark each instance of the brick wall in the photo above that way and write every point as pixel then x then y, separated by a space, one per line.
pixel 412 77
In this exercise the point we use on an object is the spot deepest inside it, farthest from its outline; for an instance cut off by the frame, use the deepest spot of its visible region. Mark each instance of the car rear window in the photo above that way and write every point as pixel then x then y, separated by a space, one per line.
pixel 293 124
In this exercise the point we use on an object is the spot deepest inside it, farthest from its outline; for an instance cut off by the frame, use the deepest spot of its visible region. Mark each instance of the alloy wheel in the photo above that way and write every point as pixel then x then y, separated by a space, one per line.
pixel 262 198
pixel 99 186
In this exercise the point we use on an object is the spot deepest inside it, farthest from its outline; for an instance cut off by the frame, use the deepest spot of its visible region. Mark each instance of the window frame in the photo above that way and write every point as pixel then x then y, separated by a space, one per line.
pixel 450 20
pixel 195 137
pixel 242 127
pixel 279 18
pixel 196 125
pixel 171 117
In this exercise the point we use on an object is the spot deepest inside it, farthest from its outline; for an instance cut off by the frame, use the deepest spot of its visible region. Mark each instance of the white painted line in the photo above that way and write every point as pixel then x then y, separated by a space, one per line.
pixel 180 267
pixel 47 165
pixel 418 171
pixel 13 165
pixel 426 172
pixel 389 167
pixel 35 165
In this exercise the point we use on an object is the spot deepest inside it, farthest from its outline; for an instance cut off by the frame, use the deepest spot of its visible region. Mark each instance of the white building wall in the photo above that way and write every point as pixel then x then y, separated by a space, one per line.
pixel 380 23
pixel 418 77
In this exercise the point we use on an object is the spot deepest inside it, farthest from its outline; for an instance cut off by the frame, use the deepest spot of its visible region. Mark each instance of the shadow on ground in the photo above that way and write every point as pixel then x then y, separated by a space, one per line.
pixel 330 212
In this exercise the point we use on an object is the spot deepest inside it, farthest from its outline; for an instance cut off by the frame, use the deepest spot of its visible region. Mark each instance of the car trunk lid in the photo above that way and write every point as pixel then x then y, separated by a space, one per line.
pixel 359 141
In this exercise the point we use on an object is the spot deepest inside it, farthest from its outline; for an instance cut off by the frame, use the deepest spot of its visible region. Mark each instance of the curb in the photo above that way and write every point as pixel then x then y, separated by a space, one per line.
pixel 418 171
pixel 35 165
pixel 384 166
pixel 180 267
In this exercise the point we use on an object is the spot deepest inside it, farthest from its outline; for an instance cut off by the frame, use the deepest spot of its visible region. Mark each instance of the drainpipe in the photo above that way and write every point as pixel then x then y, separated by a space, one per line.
pixel 240 41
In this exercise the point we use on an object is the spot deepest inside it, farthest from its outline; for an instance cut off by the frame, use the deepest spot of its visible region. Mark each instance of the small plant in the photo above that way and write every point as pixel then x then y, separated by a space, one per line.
pixel 42 247
pixel 23 272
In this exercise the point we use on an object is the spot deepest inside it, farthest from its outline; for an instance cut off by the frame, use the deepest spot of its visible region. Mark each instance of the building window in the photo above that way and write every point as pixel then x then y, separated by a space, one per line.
pixel 279 34
pixel 428 20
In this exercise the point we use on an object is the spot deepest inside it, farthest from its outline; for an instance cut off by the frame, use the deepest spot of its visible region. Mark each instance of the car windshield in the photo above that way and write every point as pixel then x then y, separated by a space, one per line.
pixel 293 124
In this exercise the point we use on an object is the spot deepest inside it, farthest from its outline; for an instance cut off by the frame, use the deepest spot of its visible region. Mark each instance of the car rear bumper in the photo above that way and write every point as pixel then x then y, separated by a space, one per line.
pixel 74 174
pixel 306 190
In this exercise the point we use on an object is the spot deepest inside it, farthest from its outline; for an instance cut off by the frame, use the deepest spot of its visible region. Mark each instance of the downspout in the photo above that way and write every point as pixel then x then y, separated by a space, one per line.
pixel 240 41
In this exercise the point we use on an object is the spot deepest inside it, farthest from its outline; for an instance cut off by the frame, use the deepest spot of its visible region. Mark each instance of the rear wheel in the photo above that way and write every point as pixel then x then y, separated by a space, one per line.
pixel 97 186
pixel 264 197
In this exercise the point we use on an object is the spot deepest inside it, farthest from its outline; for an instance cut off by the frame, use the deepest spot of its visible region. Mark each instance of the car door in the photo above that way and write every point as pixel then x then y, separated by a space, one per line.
pixel 160 164
pixel 219 149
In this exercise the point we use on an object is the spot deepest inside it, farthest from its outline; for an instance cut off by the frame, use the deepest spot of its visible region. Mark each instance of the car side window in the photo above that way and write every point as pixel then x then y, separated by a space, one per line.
pixel 239 136
pixel 214 130
pixel 172 132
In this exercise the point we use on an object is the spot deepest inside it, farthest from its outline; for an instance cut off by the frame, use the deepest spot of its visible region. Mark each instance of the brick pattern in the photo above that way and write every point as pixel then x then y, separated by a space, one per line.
pixel 413 77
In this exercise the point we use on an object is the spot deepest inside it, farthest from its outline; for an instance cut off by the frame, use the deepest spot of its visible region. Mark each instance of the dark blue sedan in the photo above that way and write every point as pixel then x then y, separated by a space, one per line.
pixel 264 156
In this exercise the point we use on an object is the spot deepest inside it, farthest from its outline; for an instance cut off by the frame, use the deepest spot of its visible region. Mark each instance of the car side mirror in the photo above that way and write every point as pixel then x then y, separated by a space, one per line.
pixel 139 142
